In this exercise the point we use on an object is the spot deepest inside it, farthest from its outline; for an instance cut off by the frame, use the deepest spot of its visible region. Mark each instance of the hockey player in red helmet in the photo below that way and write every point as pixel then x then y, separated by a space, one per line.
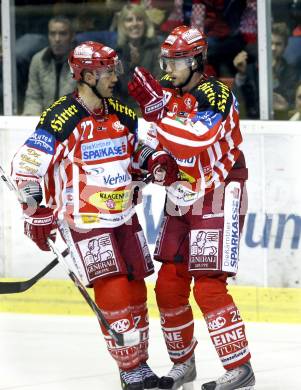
pixel 96 58
pixel 196 120
pixel 83 147
pixel 184 52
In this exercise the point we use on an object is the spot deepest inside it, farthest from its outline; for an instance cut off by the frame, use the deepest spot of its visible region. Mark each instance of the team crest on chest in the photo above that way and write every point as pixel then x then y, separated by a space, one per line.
pixel 188 103
pixel 118 126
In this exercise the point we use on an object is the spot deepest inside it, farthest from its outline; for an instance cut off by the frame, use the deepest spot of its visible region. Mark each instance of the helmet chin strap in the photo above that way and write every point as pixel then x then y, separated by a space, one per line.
pixel 199 68
pixel 191 73
pixel 93 89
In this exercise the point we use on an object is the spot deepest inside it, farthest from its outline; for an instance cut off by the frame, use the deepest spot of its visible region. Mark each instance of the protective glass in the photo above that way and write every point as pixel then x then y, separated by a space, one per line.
pixel 171 64
pixel 117 68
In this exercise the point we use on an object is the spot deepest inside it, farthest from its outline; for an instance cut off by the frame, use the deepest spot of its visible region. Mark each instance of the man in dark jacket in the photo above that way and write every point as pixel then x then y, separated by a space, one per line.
pixel 284 78
pixel 49 74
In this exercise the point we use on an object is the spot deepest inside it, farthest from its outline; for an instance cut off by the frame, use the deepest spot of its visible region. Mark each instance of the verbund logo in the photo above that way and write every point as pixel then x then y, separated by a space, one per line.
pixel 103 149
pixel 120 178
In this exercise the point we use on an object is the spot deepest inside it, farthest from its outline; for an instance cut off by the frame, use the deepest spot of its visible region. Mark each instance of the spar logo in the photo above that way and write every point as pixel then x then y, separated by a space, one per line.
pixel 94 170
pixel 121 326
pixel 107 148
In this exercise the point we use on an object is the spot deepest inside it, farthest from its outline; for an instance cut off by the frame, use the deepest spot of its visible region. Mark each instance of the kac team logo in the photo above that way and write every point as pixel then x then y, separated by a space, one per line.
pixel 121 326
pixel 217 323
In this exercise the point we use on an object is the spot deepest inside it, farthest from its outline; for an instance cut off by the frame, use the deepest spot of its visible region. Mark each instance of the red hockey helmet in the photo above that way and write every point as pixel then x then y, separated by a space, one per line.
pixel 183 42
pixel 93 56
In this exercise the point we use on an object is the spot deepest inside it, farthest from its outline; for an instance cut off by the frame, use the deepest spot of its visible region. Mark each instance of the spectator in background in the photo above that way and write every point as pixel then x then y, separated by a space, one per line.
pixel 248 23
pixel 220 20
pixel 248 30
pixel 136 45
pixel 292 52
pixel 284 79
pixel 155 10
pixel 245 86
pixel 49 73
pixel 224 37
pixel 27 45
pixel 284 75
pixel 296 114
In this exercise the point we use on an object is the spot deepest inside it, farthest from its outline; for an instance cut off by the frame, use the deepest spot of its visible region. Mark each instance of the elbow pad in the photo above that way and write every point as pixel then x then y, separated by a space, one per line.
pixel 31 192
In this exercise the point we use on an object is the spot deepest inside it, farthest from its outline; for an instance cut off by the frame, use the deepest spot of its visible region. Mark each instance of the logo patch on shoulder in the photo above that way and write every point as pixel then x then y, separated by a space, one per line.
pixel 41 140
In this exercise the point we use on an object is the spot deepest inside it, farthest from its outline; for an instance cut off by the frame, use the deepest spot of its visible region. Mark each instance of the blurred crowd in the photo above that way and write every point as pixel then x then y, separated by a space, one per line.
pixel 136 28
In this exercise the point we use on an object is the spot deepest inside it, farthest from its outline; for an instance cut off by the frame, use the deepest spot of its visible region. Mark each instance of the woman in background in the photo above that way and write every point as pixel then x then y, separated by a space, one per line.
pixel 136 46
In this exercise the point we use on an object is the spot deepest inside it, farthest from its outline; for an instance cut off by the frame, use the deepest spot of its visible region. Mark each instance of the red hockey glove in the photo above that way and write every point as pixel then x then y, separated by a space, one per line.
pixel 164 168
pixel 148 93
pixel 39 226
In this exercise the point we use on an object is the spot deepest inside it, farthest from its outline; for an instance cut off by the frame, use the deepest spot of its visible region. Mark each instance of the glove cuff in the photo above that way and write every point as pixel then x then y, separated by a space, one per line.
pixel 40 220
pixel 152 159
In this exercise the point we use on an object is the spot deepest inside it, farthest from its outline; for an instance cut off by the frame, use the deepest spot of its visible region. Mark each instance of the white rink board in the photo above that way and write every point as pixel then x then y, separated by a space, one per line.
pixel 271 238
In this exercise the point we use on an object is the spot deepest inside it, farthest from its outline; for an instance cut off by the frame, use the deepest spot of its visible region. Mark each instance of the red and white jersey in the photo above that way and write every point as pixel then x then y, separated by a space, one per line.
pixel 201 131
pixel 85 160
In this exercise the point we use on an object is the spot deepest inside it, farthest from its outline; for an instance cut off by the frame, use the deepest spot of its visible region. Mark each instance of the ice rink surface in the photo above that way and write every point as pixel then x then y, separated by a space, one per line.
pixel 68 353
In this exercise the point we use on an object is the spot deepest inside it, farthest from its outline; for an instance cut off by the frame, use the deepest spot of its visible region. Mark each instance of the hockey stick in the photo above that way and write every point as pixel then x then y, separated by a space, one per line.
pixel 7 180
pixel 129 339
pixel 148 178
pixel 21 286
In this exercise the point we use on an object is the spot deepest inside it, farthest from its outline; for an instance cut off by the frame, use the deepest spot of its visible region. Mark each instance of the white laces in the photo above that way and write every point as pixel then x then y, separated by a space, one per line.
pixel 178 370
pixel 228 376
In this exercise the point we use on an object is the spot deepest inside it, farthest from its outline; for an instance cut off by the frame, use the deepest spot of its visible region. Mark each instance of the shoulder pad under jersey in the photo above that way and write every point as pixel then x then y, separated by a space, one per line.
pixel 61 117
pixel 214 94
pixel 126 114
